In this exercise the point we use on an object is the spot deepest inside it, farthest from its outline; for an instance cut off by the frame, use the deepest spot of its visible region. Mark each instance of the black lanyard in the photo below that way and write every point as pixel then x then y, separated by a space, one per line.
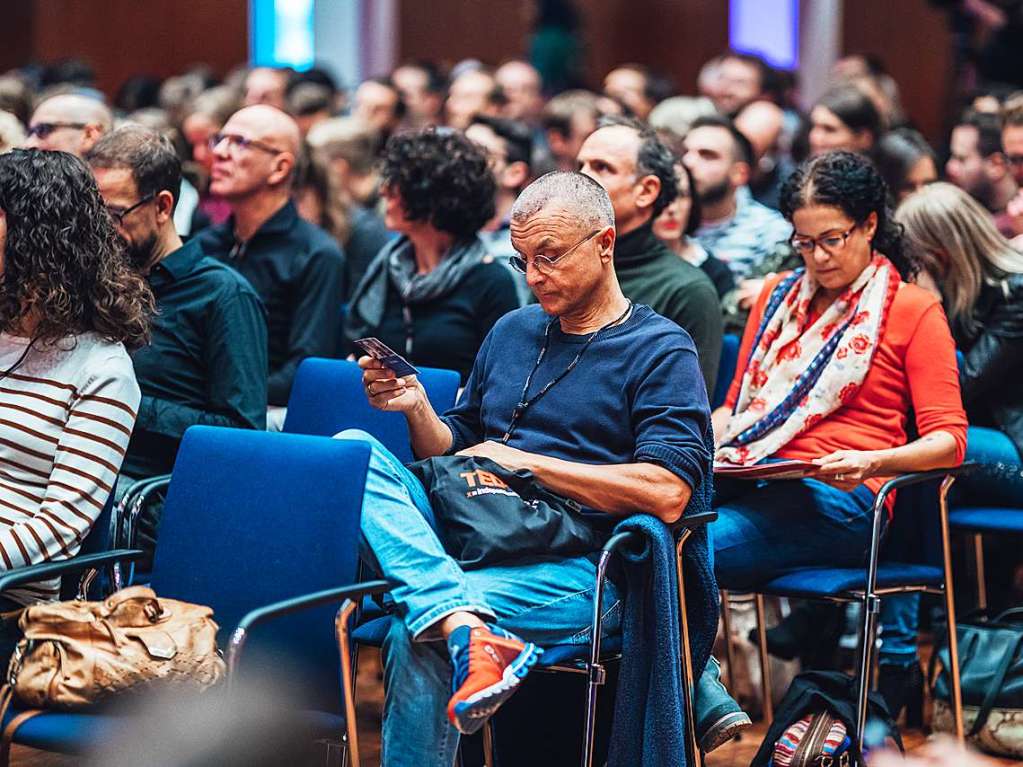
pixel 525 404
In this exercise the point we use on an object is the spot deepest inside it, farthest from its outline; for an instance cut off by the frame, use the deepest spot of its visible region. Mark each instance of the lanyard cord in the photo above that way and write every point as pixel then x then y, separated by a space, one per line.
pixel 525 404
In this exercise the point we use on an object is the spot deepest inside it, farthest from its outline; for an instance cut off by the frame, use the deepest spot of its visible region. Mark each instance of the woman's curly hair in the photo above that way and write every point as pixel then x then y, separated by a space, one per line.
pixel 442 178
pixel 852 183
pixel 63 261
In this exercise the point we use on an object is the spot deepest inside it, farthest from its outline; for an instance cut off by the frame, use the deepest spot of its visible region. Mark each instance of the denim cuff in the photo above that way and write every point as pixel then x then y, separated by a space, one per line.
pixel 422 626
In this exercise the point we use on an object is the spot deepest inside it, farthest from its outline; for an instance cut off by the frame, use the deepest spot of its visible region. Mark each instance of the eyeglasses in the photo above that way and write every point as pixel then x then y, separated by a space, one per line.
pixel 234 140
pixel 831 243
pixel 545 264
pixel 43 130
pixel 1014 159
pixel 118 214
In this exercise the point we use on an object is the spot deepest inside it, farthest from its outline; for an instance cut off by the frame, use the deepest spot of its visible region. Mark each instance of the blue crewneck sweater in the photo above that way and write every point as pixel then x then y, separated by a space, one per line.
pixel 636 395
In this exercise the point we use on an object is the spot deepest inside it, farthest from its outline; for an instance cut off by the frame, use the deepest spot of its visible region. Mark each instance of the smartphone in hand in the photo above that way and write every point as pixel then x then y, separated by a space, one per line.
pixel 381 352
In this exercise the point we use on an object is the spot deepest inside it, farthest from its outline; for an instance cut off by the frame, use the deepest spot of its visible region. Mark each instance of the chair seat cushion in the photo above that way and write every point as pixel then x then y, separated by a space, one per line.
pixel 372 633
pixel 985 519
pixel 828 582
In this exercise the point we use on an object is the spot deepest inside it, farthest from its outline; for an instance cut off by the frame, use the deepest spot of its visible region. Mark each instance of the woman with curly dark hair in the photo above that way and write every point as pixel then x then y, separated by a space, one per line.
pixel 69 305
pixel 433 293
pixel 834 357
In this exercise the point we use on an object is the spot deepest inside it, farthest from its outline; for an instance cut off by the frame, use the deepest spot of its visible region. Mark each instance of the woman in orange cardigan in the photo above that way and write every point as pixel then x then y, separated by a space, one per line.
pixel 833 359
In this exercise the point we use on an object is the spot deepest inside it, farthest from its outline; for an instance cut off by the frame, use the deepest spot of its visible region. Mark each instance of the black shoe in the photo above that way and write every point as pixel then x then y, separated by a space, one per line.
pixel 811 630
pixel 902 687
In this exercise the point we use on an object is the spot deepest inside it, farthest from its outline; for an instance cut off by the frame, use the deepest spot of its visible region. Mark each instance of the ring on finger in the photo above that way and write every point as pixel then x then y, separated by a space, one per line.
pixel 840 477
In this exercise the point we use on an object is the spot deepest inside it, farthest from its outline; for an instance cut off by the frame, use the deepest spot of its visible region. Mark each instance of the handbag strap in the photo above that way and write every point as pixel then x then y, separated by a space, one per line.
pixel 995 686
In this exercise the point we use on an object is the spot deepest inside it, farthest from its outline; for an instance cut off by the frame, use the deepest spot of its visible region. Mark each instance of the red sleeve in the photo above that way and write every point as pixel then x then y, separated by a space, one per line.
pixel 755 316
pixel 933 377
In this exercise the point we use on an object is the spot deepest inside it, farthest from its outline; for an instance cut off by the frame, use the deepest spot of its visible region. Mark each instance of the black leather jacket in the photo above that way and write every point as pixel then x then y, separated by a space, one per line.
pixel 992 377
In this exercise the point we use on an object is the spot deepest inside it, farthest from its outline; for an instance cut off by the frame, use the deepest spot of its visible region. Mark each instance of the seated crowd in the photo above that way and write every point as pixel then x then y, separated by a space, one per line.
pixel 577 258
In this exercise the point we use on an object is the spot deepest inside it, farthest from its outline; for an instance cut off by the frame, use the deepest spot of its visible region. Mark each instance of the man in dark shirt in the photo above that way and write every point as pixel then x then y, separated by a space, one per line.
pixel 296 268
pixel 638 172
pixel 206 363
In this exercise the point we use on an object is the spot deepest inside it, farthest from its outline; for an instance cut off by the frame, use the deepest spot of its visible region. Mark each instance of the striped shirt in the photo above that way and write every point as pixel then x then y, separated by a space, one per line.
pixel 66 413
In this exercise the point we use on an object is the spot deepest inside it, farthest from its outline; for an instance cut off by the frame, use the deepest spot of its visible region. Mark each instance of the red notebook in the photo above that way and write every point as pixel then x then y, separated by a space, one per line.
pixel 775 470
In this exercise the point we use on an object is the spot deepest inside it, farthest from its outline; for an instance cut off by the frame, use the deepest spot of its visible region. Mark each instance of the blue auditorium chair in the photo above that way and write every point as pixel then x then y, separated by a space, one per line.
pixel 328 397
pixel 978 521
pixel 726 369
pixel 257 526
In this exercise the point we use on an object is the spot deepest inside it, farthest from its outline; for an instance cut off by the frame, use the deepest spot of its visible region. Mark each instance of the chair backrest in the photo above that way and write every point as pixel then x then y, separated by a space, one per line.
pixel 252 518
pixel 328 396
pixel 726 369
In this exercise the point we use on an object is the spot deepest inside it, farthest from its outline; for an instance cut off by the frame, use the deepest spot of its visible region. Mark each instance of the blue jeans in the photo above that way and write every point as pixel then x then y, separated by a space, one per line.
pixel 998 481
pixel 547 600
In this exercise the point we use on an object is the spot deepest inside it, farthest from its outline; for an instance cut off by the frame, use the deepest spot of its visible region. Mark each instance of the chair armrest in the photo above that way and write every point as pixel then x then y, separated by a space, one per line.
pixel 45 570
pixel 297 604
pixel 136 500
pixel 916 477
pixel 694 521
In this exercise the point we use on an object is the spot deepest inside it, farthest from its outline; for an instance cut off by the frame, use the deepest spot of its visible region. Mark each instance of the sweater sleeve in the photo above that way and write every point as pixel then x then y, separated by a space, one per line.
pixel 88 456
pixel 696 309
pixel 934 380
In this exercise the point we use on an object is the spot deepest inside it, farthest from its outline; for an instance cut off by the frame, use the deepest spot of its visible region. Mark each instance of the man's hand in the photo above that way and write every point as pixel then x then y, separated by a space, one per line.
pixel 386 391
pixel 847 469
pixel 510 458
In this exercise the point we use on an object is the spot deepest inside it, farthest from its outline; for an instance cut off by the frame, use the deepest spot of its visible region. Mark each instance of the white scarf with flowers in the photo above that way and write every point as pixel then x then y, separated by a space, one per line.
pixel 796 374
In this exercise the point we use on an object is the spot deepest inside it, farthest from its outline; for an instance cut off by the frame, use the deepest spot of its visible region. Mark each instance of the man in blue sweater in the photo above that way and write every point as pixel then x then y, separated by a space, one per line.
pixel 602 400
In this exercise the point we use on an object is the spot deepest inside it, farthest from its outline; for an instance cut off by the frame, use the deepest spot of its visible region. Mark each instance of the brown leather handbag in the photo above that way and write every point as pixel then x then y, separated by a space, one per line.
pixel 77 654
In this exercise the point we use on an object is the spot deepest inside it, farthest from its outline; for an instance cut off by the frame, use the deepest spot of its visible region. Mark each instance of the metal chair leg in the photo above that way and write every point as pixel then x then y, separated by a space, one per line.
pixel 489 757
pixel 950 608
pixel 726 627
pixel 767 689
pixel 348 680
pixel 871 606
pixel 688 683
pixel 978 563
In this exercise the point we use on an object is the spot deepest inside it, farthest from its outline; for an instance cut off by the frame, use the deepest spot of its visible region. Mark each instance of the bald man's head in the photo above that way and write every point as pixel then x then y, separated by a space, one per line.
pixel 69 123
pixel 256 153
pixel 761 122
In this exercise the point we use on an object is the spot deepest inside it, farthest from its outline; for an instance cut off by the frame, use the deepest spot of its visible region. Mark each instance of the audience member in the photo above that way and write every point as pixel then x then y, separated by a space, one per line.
pixel 1012 136
pixel 310 104
pixel 978 166
pixel 378 103
pixel 876 348
pixel 520 83
pixel 206 363
pixel 740 79
pixel 906 162
pixel 638 172
pixel 473 92
pixel 509 148
pixel 69 304
pixel 679 220
pixel 567 120
pixel 637 88
pixel 68 123
pixel 637 446
pixel 736 228
pixel 673 117
pixel 15 97
pixel 267 86
pixel 206 116
pixel 295 267
pixel 762 122
pixel 422 89
pixel 348 146
pixel 845 119
pixel 434 293
pixel 12 134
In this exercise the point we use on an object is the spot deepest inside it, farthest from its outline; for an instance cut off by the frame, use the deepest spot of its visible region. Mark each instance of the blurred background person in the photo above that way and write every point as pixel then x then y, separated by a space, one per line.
pixel 845 119
pixel 739 79
pixel 523 89
pixel 977 165
pixel 310 104
pixel 637 88
pixel 68 123
pixel 473 92
pixel 906 162
pixel 267 85
pixel 567 120
pixel 673 117
pixel 12 132
pixel 422 88
pixel 434 293
pixel 206 116
pixel 378 103
pixel 763 122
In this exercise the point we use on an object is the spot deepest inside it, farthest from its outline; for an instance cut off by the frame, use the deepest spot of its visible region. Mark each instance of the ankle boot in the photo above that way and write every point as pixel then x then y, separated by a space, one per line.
pixel 902 687
pixel 809 631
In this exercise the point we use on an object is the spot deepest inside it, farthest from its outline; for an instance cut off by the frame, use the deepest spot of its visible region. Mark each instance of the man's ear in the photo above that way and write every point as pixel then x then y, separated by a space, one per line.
pixel 606 240
pixel 515 175
pixel 284 163
pixel 739 174
pixel 995 166
pixel 164 207
pixel 649 188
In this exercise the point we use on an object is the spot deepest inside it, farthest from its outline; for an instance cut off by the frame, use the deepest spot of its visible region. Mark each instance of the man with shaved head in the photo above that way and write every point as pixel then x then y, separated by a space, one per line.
pixel 68 123
pixel 602 400
pixel 762 122
pixel 295 267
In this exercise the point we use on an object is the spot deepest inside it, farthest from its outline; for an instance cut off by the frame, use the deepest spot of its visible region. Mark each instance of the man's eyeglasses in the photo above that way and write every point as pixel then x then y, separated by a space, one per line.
pixel 546 264
pixel 43 130
pixel 1015 159
pixel 234 140
pixel 118 214
pixel 831 243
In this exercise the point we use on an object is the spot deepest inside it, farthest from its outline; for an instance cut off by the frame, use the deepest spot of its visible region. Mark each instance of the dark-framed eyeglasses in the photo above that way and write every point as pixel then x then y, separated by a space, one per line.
pixel 43 130
pixel 235 140
pixel 1015 160
pixel 118 214
pixel 830 243
pixel 546 264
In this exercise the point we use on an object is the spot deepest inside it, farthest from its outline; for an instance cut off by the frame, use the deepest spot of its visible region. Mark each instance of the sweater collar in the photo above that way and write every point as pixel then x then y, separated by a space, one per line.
pixel 639 246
